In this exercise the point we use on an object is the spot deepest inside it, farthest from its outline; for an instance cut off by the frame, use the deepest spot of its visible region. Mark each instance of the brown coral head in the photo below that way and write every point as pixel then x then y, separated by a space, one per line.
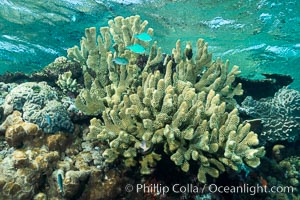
pixel 14 135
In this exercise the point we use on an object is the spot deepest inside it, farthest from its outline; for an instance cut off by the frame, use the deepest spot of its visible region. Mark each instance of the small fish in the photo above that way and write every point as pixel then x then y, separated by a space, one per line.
pixel 136 48
pixel 120 61
pixel 263 181
pixel 48 119
pixel 60 181
pixel 73 18
pixel 246 169
pixel 143 37
pixel 145 149
pixel 144 145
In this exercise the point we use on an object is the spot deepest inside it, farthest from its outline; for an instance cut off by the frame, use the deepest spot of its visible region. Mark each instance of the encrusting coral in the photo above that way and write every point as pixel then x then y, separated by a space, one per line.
pixel 187 107
pixel 32 160
pixel 280 115
pixel 17 131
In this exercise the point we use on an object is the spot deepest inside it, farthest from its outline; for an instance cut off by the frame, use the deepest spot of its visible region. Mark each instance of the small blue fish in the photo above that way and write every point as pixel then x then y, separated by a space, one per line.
pixel 120 61
pixel 48 119
pixel 60 182
pixel 136 48
pixel 246 169
pixel 143 37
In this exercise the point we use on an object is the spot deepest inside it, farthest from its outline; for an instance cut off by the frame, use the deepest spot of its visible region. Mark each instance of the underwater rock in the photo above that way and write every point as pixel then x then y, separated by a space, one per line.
pixel 17 131
pixel 22 173
pixel 14 118
pixel 57 142
pixel 15 135
pixel 280 115
pixel 49 73
pixel 83 160
pixel 108 187
pixel 20 159
pixel 16 77
pixel 45 160
pixel 25 171
pixel 74 183
pixel 59 66
pixel 263 88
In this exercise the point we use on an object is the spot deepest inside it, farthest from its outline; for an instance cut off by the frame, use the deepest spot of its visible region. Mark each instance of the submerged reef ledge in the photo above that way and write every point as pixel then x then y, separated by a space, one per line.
pixel 122 108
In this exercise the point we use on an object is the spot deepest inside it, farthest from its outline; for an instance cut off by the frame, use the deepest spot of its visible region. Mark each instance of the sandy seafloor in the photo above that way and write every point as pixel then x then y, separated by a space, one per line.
pixel 261 37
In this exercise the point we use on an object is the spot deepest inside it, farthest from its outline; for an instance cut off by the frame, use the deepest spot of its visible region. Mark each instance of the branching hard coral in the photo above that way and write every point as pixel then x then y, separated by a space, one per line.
pixel 101 68
pixel 66 83
pixel 187 107
pixel 213 75
pixel 191 126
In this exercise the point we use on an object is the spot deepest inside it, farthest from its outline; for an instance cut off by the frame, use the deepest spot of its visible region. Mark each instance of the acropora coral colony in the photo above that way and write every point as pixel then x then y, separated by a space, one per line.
pixel 183 103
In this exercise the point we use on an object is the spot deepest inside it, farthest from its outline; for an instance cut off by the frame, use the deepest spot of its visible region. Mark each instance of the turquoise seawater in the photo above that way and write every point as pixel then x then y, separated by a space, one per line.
pixel 104 129
pixel 260 36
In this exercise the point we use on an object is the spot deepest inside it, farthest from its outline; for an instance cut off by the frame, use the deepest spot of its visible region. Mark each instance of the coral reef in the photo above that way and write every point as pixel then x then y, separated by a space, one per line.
pixel 30 170
pixel 49 73
pixel 17 131
pixel 263 88
pixel 22 173
pixel 105 80
pixel 5 89
pixel 66 83
pixel 151 112
pixel 277 151
pixel 291 166
pixel 39 104
pixel 52 117
pixel 280 115
pixel 31 92
pixel 59 66
pixel 188 107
